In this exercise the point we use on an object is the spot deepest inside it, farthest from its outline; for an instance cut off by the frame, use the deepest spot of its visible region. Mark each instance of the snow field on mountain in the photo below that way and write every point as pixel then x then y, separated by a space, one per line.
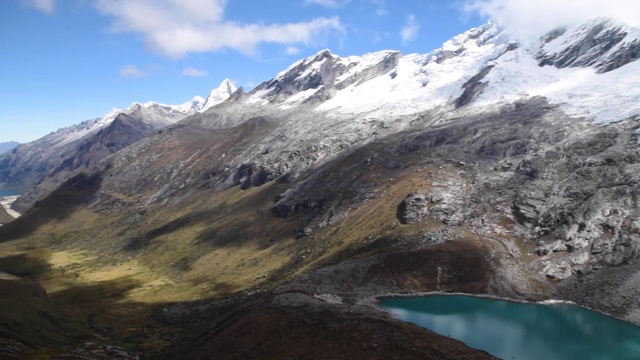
pixel 423 82
pixel 581 92
pixel 420 82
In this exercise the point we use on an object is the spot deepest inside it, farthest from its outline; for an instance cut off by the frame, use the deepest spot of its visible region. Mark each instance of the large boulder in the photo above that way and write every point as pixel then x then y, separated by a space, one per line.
pixel 413 208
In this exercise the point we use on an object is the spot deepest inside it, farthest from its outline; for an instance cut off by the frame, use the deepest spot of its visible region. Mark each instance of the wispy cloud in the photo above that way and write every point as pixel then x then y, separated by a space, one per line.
pixel 526 18
pixel 381 7
pixel 325 3
pixel 193 72
pixel 410 30
pixel 176 28
pixel 331 4
pixel 378 36
pixel 45 6
pixel 292 50
pixel 132 71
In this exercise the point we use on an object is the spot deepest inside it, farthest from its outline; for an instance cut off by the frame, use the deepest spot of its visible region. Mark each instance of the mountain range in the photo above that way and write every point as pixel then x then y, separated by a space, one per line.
pixel 262 224
pixel 6 146
pixel 36 168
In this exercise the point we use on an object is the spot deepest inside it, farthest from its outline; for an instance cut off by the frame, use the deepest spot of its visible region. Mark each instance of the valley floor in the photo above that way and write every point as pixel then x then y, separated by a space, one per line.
pixel 6 202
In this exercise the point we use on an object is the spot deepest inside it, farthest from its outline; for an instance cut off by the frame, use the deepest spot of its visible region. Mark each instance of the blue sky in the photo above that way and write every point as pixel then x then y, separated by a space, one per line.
pixel 66 61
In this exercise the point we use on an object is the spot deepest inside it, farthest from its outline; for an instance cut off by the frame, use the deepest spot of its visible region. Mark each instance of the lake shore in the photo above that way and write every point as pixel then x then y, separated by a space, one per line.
pixel 6 202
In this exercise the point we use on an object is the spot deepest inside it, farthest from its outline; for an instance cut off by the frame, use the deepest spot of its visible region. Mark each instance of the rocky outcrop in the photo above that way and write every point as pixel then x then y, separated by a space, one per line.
pixel 558 271
pixel 413 208
pixel 473 88
pixel 4 216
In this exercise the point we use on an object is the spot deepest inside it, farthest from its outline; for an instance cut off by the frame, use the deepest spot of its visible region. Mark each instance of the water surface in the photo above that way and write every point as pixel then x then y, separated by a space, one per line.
pixel 512 330
pixel 8 193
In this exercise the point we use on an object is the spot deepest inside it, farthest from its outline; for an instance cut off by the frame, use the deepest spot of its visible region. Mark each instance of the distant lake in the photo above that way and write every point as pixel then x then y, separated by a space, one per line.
pixel 8 193
pixel 512 330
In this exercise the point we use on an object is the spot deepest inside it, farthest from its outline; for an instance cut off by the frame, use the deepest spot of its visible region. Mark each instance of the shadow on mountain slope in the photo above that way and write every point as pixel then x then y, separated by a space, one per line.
pixel 58 206
pixel 63 314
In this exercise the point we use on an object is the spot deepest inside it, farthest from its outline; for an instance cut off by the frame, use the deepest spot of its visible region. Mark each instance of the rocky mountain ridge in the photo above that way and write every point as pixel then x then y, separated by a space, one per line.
pixel 39 166
pixel 7 146
pixel 601 43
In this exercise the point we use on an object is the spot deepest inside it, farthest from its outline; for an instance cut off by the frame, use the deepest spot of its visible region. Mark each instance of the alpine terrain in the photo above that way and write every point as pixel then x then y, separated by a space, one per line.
pixel 36 168
pixel 6 146
pixel 265 224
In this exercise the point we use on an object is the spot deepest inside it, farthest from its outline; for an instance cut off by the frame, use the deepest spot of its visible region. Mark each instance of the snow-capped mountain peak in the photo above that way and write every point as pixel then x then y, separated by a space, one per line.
pixel 69 134
pixel 482 67
pixel 318 77
pixel 219 94
pixel 151 112
pixel 194 105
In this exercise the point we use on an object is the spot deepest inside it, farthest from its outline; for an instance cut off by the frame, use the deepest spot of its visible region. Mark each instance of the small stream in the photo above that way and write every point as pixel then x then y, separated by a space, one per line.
pixel 513 330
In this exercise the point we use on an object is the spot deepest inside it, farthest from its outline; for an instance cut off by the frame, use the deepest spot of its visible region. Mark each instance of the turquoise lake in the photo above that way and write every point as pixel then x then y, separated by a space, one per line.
pixel 7 193
pixel 511 330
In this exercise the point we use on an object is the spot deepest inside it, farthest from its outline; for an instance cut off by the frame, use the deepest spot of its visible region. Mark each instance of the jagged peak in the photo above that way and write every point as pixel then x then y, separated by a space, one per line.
pixel 323 54
pixel 219 94
pixel 226 86
pixel 490 31
pixel 238 94
pixel 196 99
pixel 320 56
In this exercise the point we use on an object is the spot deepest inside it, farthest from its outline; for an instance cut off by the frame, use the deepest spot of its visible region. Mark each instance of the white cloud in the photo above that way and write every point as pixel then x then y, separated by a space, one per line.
pixel 292 50
pixel 331 4
pixel 132 71
pixel 526 18
pixel 178 27
pixel 325 3
pixel 381 7
pixel 410 30
pixel 46 6
pixel 193 72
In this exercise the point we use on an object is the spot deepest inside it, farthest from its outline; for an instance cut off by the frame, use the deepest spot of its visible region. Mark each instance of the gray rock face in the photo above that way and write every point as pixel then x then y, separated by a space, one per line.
pixel 592 46
pixel 4 216
pixel 413 208
pixel 557 246
pixel 473 88
pixel 587 200
pixel 558 271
